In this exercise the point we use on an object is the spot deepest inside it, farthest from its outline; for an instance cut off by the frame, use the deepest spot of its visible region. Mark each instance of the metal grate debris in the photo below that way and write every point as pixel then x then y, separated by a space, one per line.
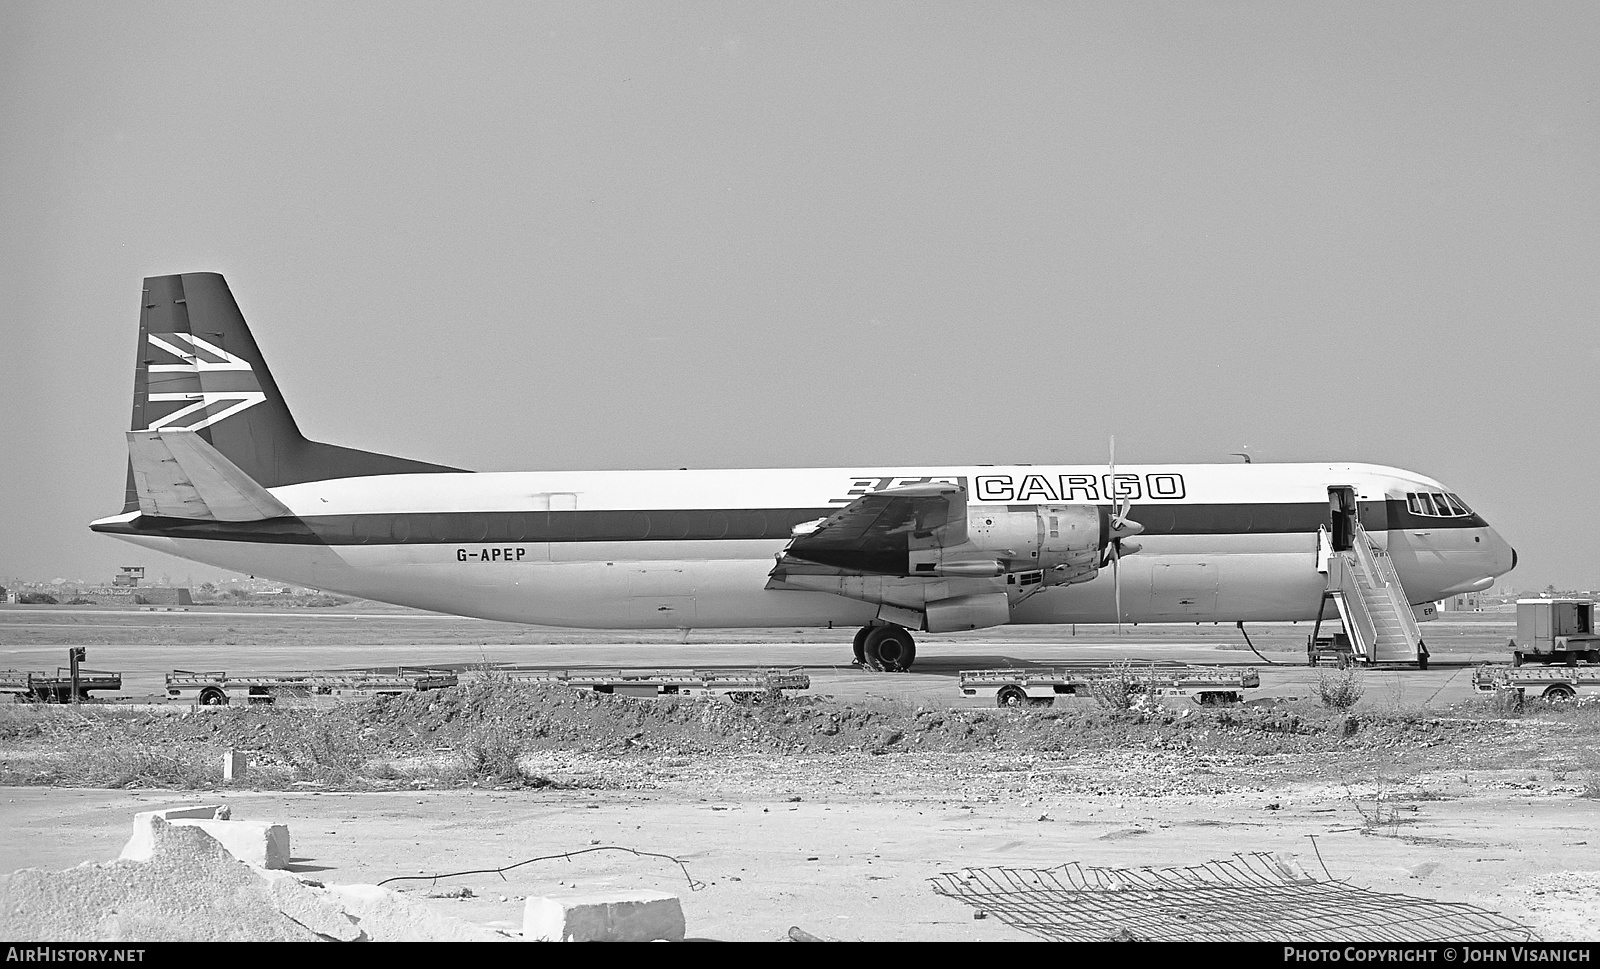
pixel 1256 897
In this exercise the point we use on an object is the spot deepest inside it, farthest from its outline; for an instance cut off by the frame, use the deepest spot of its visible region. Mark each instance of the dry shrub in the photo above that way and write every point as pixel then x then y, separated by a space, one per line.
pixel 1505 702
pixel 1339 689
pixel 323 750
pixel 1118 688
pixel 491 753
pixel 122 766
pixel 21 721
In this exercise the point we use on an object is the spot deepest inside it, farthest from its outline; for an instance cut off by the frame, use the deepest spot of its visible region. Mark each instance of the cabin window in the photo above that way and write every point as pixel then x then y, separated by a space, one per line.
pixel 669 524
pixel 635 526
pixel 748 524
pixel 1234 519
pixel 713 525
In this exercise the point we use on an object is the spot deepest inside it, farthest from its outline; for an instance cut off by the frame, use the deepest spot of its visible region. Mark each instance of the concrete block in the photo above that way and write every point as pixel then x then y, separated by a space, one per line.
pixel 311 907
pixel 388 916
pixel 233 766
pixel 252 842
pixel 190 889
pixel 619 917
pixel 142 843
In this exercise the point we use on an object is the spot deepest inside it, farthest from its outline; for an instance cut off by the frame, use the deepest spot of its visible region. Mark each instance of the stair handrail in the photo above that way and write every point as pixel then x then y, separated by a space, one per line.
pixel 1380 566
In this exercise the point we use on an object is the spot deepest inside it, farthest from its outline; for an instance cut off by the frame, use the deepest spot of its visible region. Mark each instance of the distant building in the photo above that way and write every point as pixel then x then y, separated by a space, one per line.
pixel 161 596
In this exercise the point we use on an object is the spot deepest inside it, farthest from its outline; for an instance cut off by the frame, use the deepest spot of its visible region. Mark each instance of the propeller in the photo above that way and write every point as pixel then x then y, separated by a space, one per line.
pixel 1121 528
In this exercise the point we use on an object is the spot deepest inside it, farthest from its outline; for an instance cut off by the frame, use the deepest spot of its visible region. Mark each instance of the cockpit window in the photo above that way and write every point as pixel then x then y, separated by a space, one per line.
pixel 1435 504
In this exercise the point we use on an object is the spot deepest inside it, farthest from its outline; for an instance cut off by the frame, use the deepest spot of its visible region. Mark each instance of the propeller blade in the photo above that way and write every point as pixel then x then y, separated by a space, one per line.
pixel 1121 528
pixel 1116 584
pixel 1119 508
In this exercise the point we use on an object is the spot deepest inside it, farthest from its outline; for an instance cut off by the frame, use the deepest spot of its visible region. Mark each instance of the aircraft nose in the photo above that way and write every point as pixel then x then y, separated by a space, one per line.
pixel 1505 556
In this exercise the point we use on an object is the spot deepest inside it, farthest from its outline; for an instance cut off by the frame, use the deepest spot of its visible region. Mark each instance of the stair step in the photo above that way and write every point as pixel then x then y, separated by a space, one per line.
pixel 1381 611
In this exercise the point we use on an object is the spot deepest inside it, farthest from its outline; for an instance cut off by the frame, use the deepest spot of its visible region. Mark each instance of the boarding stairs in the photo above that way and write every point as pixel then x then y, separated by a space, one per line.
pixel 1372 604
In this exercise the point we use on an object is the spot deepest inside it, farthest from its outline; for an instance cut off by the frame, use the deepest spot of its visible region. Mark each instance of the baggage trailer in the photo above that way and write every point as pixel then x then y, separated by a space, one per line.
pixel 1555 631
pixel 740 686
pixel 1206 685
pixel 1547 683
pixel 56 687
pixel 218 688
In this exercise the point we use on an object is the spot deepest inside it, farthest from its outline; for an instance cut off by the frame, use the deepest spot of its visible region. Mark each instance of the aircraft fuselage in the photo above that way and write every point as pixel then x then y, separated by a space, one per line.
pixel 692 549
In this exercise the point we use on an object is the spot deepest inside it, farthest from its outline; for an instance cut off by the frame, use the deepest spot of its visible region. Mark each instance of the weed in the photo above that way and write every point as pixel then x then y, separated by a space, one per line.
pixel 1118 689
pixel 123 766
pixel 21 722
pixel 156 767
pixel 492 755
pixel 1591 788
pixel 1505 703
pixel 322 751
pixel 1379 815
pixel 1339 689
pixel 383 771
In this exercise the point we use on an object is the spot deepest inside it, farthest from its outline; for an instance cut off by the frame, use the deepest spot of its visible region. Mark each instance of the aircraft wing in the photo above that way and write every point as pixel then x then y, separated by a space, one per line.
pixel 876 533
pixel 178 475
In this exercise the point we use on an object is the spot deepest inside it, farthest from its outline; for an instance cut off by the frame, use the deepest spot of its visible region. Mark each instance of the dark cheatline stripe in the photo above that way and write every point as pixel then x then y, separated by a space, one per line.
pixel 470 528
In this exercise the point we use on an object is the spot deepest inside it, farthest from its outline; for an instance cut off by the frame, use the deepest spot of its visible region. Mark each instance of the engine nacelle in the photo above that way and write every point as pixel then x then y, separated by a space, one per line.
pixel 1064 541
pixel 968 612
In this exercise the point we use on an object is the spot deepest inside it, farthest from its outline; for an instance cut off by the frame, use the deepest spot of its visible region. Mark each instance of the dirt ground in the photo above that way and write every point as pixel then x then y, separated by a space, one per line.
pixel 832 814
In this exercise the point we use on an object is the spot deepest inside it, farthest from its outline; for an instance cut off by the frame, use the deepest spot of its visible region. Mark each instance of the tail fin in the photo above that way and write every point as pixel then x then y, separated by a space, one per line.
pixel 199 370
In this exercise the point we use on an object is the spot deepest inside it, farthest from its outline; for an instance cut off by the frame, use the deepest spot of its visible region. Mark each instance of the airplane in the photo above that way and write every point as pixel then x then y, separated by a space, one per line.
pixel 218 472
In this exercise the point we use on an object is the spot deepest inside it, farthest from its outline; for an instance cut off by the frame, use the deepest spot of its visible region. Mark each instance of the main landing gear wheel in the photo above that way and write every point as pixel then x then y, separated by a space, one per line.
pixel 860 644
pixel 890 649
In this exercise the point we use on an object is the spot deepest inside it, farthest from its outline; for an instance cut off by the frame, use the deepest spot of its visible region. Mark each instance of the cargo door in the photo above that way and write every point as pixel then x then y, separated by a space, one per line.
pixel 660 595
pixel 1184 590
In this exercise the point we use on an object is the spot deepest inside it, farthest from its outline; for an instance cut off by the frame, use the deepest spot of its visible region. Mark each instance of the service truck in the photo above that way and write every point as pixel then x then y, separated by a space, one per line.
pixel 1555 631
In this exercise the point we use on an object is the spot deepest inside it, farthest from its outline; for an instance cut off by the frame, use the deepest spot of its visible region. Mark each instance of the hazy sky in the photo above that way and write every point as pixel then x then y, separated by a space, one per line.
pixel 517 236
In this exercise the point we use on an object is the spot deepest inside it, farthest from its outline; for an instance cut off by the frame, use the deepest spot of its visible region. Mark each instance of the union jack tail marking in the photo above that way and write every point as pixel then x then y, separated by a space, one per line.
pixel 205 382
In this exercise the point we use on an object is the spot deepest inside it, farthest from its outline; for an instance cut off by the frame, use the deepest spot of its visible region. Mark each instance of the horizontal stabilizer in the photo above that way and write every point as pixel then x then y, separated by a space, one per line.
pixel 178 475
